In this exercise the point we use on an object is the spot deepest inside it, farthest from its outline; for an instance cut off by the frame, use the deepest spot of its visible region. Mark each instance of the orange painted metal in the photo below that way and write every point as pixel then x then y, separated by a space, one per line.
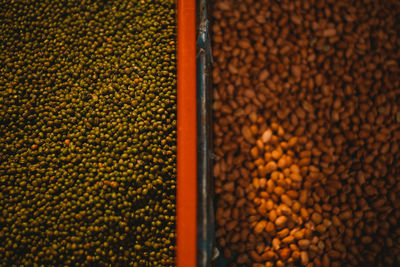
pixel 187 136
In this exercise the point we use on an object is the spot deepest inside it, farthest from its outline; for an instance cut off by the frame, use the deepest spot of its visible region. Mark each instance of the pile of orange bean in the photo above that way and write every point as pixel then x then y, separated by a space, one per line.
pixel 307 132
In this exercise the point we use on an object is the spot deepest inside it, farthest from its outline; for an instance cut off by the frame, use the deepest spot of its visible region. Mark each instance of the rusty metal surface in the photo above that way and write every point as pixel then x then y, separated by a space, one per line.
pixel 205 232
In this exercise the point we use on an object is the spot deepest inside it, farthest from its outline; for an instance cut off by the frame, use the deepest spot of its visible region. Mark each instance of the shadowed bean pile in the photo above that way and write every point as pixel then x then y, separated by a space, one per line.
pixel 307 132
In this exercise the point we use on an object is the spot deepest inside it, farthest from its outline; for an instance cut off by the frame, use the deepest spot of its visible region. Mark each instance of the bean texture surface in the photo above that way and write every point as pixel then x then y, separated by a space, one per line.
pixel 307 132
pixel 87 133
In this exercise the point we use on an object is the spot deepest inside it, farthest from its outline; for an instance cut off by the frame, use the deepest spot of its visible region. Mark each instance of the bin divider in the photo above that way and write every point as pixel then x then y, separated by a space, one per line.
pixel 187 136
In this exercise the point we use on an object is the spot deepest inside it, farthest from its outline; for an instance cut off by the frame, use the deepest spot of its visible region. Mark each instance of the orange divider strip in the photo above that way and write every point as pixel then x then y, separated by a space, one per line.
pixel 187 135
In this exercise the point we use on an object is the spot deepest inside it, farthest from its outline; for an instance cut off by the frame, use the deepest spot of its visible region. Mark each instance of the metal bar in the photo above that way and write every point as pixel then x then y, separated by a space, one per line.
pixel 187 136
